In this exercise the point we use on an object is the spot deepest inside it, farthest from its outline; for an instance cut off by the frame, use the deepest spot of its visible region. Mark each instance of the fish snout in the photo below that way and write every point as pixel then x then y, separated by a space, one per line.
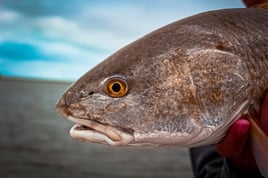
pixel 62 107
pixel 65 102
pixel 67 99
pixel 68 105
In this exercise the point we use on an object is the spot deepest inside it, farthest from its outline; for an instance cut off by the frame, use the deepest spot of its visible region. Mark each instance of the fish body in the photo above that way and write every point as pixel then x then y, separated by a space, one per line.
pixel 183 84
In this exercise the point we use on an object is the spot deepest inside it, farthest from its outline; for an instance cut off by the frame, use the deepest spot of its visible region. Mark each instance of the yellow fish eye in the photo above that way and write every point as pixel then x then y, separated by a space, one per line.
pixel 116 87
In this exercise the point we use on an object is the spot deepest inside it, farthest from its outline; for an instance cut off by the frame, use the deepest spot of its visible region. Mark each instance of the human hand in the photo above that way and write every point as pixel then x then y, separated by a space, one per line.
pixel 235 145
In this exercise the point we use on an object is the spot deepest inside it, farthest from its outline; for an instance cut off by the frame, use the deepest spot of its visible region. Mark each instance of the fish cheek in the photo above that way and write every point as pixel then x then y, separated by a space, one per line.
pixel 222 87
pixel 167 104
pixel 119 112
pixel 132 111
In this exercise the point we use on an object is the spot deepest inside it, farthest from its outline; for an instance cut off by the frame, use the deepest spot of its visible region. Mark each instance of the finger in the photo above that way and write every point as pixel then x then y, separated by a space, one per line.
pixel 233 143
pixel 264 115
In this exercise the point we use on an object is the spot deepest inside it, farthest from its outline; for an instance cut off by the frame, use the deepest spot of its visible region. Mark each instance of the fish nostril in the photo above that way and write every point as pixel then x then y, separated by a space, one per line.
pixel 84 94
pixel 72 97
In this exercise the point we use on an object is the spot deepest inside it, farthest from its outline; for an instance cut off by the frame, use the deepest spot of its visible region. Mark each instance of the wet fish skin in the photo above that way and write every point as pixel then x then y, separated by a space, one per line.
pixel 188 81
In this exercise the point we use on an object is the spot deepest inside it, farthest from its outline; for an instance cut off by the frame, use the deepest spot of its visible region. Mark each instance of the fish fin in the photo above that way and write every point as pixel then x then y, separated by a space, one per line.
pixel 259 146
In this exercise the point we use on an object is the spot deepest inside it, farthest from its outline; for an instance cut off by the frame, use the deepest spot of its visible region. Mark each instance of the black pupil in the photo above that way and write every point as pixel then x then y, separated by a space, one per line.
pixel 116 87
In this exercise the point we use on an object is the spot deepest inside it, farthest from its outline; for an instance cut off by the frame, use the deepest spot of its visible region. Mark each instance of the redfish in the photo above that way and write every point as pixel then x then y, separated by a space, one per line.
pixel 181 85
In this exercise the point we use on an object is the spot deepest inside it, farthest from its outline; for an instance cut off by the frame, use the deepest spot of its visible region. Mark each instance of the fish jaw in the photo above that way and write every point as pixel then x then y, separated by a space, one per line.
pixel 92 131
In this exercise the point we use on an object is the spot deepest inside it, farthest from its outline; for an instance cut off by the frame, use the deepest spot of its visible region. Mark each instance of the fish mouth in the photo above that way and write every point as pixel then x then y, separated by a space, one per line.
pixel 92 131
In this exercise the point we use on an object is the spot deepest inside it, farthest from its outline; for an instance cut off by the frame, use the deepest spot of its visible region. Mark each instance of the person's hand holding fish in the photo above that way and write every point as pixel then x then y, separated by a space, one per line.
pixel 236 144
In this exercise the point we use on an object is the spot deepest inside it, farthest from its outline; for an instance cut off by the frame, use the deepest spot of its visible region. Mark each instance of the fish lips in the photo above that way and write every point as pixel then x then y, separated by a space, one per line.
pixel 93 131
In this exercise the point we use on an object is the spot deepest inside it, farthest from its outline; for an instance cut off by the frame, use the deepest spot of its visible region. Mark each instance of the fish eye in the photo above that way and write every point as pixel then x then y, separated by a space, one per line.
pixel 116 86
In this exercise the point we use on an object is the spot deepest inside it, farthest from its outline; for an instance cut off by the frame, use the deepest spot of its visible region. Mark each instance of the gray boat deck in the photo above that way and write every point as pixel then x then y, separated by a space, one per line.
pixel 35 142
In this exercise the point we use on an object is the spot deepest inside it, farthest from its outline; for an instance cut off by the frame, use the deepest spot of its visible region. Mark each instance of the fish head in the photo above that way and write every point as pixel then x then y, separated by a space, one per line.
pixel 133 105
pixel 159 90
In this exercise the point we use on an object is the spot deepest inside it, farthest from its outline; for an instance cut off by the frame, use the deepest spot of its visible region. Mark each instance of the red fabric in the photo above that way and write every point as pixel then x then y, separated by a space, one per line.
pixel 235 145
pixel 264 115
pixel 250 3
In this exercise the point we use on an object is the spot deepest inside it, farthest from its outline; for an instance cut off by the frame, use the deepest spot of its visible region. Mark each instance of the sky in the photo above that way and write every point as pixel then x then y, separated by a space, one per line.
pixel 63 39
